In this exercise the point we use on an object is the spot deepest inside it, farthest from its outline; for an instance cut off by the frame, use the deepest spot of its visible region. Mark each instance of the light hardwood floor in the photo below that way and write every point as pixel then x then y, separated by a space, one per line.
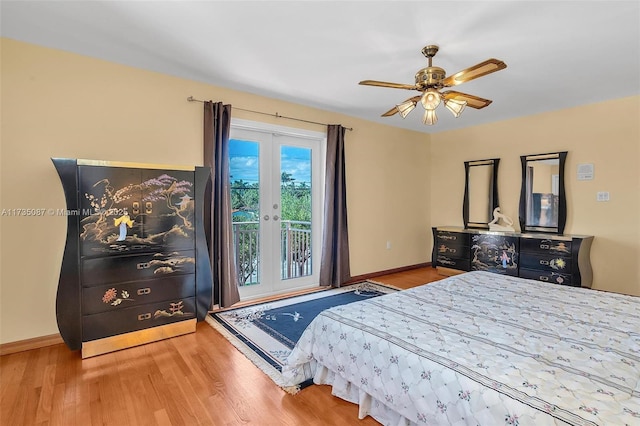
pixel 194 379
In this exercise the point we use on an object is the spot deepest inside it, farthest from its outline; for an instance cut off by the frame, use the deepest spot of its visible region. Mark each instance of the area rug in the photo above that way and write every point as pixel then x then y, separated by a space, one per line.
pixel 267 332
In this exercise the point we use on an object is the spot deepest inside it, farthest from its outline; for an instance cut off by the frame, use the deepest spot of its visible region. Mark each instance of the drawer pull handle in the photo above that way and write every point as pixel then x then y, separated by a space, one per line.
pixel 545 246
pixel 136 207
pixel 143 317
pixel 544 262
pixel 542 278
pixel 143 291
pixel 143 265
pixel 148 207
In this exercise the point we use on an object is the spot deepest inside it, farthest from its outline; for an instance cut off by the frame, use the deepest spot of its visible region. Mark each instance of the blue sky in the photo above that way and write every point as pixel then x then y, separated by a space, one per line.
pixel 243 161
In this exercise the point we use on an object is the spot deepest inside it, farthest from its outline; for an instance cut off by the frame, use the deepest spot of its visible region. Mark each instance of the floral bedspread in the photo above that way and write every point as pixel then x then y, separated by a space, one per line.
pixel 486 349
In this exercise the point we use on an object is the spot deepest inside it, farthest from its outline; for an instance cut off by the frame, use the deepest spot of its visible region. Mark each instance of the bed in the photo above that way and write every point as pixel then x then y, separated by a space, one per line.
pixel 480 349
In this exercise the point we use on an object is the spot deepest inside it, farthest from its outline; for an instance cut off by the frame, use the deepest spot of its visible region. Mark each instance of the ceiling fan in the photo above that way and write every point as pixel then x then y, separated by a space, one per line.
pixel 431 80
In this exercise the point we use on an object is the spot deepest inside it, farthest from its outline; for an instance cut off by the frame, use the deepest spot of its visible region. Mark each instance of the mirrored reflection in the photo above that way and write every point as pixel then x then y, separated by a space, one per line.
pixel 480 192
pixel 542 198
pixel 543 178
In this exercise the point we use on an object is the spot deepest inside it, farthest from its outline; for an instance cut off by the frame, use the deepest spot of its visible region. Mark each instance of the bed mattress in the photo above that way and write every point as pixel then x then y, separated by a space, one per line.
pixel 481 349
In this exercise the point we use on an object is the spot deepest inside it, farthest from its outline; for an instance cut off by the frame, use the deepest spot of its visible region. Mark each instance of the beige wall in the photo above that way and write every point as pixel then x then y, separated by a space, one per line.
pixel 605 134
pixel 57 104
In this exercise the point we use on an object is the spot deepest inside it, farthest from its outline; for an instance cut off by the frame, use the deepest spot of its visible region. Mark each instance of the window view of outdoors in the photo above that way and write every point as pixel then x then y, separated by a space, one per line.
pixel 295 210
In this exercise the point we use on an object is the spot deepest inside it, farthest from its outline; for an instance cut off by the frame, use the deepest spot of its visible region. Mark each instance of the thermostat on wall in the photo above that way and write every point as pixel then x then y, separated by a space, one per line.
pixel 585 171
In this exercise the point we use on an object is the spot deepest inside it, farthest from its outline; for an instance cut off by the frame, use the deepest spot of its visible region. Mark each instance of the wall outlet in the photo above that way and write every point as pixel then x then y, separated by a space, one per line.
pixel 388 245
pixel 602 196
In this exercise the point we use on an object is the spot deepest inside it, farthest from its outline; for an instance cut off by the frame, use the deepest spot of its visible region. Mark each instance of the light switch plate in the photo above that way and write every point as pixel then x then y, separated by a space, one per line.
pixel 602 196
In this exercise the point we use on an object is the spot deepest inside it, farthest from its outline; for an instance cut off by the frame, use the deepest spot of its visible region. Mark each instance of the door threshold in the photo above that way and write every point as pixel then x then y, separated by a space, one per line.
pixel 279 296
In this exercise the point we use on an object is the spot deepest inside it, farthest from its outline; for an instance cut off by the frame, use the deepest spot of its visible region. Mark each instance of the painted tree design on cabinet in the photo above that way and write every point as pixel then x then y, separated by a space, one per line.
pixel 136 267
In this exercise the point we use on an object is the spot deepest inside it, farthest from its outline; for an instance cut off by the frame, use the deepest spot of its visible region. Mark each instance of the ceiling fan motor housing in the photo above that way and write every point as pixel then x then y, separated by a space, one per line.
pixel 430 77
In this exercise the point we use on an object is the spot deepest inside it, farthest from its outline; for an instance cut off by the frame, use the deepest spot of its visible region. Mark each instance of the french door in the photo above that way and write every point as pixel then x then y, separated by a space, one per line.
pixel 276 196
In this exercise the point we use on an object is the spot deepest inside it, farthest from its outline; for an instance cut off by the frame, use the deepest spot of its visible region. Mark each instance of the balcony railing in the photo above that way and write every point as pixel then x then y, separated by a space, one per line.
pixel 295 250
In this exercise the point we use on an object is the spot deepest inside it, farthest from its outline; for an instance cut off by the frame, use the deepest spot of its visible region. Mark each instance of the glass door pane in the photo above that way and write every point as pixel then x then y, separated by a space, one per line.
pixel 296 203
pixel 244 168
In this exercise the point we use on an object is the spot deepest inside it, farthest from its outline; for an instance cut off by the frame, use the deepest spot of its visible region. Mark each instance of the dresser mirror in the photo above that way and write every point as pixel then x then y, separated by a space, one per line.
pixel 543 206
pixel 480 192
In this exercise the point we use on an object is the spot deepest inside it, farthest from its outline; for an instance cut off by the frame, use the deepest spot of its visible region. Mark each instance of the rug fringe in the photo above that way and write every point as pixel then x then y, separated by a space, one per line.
pixel 256 359
pixel 384 285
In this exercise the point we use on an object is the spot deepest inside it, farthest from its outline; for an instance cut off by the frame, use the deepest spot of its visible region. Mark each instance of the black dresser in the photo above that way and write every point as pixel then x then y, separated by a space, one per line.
pixel 559 259
pixel 135 267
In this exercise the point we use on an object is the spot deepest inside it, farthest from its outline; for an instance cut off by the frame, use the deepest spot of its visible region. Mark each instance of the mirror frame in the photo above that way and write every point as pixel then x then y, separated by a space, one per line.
pixel 562 199
pixel 492 195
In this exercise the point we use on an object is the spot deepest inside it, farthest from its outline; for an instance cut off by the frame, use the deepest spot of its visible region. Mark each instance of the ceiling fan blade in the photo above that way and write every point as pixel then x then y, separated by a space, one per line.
pixel 472 101
pixel 476 71
pixel 387 84
pixel 391 112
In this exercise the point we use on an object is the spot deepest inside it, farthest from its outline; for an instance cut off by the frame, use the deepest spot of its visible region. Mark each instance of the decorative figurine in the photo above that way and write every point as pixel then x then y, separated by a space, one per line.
pixel 507 224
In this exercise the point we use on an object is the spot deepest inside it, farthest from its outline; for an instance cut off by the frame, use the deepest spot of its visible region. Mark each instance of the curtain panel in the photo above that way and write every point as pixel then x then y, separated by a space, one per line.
pixel 218 225
pixel 334 262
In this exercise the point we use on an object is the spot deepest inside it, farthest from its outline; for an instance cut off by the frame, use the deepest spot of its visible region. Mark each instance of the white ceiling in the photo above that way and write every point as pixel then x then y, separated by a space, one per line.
pixel 558 54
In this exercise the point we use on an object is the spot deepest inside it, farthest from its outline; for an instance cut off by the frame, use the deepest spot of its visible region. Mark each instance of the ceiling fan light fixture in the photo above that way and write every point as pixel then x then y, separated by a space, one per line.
pixel 456 107
pixel 431 79
pixel 430 118
pixel 406 107
pixel 430 99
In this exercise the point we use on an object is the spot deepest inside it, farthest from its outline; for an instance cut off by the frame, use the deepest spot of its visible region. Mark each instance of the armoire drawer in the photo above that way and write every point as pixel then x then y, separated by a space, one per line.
pixel 114 269
pixel 546 276
pixel 545 246
pixel 546 262
pixel 107 324
pixel 118 296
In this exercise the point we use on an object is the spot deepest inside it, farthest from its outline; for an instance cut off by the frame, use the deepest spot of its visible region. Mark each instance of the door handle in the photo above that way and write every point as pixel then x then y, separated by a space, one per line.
pixel 276 217
pixel 266 217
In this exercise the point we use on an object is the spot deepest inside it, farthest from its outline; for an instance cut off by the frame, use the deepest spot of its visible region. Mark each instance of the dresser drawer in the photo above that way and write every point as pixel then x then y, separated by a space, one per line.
pixel 107 324
pixel 452 249
pixel 548 246
pixel 453 239
pixel 547 276
pixel 546 262
pixel 114 269
pixel 118 296
pixel 453 262
pixel 452 244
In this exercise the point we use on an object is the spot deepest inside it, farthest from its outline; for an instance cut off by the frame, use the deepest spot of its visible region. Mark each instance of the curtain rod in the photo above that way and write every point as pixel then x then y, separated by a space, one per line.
pixel 192 99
